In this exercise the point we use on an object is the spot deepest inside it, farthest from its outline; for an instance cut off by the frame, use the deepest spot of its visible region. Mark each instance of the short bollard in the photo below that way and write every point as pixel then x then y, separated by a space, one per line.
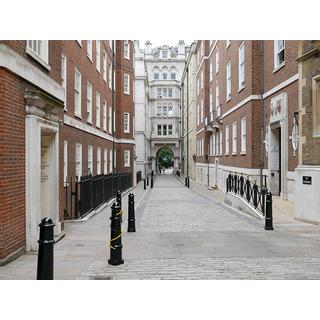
pixel 268 222
pixel 151 185
pixel 45 253
pixel 144 184
pixel 188 182
pixel 131 218
pixel 115 241
pixel 147 181
pixel 120 202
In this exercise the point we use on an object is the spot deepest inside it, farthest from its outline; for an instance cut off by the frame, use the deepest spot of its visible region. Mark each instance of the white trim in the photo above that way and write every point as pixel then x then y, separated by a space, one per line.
pixel 86 128
pixel 198 132
pixel 240 104
pixel 12 61
pixel 281 85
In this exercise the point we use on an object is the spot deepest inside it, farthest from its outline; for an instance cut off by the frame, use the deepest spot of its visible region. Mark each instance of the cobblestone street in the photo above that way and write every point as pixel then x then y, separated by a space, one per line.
pixel 182 234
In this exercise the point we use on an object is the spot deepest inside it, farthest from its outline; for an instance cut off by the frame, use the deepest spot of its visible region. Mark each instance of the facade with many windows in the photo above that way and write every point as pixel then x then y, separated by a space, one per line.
pixel 247 98
pixel 164 67
pixel 63 121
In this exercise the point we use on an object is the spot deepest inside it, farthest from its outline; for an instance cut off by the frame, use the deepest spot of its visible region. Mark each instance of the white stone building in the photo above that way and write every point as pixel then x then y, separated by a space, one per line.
pixel 142 114
pixel 165 66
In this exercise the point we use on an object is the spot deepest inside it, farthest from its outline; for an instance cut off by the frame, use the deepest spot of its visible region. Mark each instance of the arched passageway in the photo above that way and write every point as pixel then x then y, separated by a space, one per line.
pixel 164 159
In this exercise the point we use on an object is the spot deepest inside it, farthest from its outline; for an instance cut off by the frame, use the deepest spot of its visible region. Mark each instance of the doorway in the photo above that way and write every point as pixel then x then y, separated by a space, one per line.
pixel 275 160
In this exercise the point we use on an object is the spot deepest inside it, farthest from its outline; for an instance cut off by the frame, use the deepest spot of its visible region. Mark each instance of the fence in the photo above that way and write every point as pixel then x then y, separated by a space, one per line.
pixel 139 176
pixel 248 190
pixel 90 192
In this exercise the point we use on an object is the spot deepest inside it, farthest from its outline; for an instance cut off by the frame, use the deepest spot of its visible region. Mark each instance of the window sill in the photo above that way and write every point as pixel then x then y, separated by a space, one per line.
pixel 240 89
pixel 127 94
pixel 127 166
pixel 279 67
pixel 38 58
pixel 127 58
pixel 243 153
pixel 98 71
pixel 234 153
pixel 228 99
pixel 79 43
pixel 90 122
pixel 78 116
pixel 126 131
pixel 226 154
pixel 90 58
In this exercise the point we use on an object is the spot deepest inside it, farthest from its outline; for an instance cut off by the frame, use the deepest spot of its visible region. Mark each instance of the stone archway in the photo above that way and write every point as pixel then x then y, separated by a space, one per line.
pixel 164 158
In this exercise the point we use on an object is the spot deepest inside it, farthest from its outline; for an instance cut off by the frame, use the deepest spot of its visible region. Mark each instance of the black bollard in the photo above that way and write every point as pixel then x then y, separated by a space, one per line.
pixel 147 181
pixel 131 218
pixel 119 201
pixel 268 221
pixel 45 253
pixel 144 184
pixel 186 182
pixel 115 241
pixel 151 185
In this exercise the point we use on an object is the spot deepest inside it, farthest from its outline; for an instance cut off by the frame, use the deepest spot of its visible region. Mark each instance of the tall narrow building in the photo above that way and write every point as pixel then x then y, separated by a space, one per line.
pixel 164 67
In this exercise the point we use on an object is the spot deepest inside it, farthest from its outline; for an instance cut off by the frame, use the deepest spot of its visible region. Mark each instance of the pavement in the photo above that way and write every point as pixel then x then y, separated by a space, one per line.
pixel 183 233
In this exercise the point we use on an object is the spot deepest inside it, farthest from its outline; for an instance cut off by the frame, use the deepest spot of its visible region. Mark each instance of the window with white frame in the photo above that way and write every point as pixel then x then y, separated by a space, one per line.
pixel 244 135
pixel 110 161
pixel 170 110
pixel 127 158
pixel 234 137
pixel 214 144
pixel 159 130
pixel 89 102
pixel 159 92
pixel 164 110
pixel 164 76
pixel 104 72
pixel 221 141
pixel 217 61
pixel 90 159
pixel 227 140
pixel 78 159
pixel 170 92
pixel 228 80
pixel 126 122
pixel 210 71
pixel 164 54
pixel 115 158
pixel 164 130
pixel 198 86
pixel 38 49
pixel 159 110
pixel 89 49
pixel 202 146
pixel 104 120
pixel 126 87
pixel 173 76
pixel 156 76
pixel 98 111
pixel 110 120
pixel 170 130
pixel 105 161
pixel 98 160
pixel 211 102
pixel 218 107
pixel 198 114
pixel 64 79
pixel 77 93
pixel 241 66
pixel 217 144
pixel 65 162
pixel 201 80
pixel 165 92
pixel 114 120
pixel 279 46
pixel 98 54
pixel 126 50
pixel 228 42
pixel 210 146
pixel 110 75
pixel 202 114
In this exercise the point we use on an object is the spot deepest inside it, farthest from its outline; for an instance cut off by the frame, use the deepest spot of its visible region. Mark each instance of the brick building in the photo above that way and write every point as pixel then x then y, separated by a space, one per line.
pixel 247 97
pixel 308 170
pixel 56 98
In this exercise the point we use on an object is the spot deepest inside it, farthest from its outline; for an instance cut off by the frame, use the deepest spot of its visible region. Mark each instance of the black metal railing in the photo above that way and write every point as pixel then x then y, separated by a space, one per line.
pixel 248 190
pixel 90 192
pixel 139 173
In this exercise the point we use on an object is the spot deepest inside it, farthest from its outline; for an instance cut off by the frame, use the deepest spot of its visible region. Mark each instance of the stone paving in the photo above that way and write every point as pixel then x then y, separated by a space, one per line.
pixel 185 234
pixel 182 234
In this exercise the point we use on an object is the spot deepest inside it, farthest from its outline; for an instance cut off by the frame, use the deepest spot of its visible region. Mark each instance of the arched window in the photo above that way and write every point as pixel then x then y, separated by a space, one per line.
pixel 164 73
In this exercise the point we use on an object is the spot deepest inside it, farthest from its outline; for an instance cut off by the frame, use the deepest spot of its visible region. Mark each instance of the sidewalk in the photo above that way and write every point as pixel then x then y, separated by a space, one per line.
pixel 83 243
pixel 283 210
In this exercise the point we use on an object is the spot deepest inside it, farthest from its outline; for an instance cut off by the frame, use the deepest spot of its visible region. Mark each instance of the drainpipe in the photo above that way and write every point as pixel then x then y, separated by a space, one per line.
pixel 188 124
pixel 113 104
pixel 262 130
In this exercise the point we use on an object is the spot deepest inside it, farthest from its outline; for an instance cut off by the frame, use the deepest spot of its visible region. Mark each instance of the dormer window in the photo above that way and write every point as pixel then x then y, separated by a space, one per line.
pixel 165 54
